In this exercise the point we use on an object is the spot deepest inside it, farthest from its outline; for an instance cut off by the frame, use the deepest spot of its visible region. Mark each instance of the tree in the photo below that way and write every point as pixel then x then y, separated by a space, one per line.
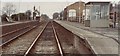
pixel 61 13
pixel 14 17
pixel 28 14
pixel 44 16
pixel 4 17
pixel 22 16
pixel 8 9
pixel 55 15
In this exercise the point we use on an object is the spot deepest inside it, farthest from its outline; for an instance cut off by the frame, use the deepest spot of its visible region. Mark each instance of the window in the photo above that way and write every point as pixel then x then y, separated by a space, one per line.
pixel 72 13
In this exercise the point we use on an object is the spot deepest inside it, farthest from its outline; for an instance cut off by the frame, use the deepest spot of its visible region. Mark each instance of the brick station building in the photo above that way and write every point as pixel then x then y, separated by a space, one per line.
pixel 74 11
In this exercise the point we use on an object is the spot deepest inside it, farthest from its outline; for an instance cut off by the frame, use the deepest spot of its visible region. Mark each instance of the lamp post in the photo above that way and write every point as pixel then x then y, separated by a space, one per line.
pixel 79 11
pixel 0 12
pixel 114 14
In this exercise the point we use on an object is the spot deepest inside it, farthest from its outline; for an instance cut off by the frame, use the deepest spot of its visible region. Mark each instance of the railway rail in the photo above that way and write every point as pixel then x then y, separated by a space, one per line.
pixel 48 42
pixel 20 44
pixel 10 36
pixel 53 39
pixel 71 43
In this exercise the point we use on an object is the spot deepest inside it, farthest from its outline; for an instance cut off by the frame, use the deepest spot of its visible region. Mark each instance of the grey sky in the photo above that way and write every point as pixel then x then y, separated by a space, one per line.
pixel 46 6
pixel 53 0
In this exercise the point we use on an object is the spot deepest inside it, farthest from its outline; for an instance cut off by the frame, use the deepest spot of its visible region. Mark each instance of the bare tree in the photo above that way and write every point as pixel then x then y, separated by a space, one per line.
pixel 8 9
pixel 28 14
pixel 55 15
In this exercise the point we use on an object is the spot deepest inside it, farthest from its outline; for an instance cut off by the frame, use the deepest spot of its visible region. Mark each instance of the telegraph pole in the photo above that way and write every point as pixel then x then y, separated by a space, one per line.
pixel 19 12
pixel 39 14
pixel 39 10
pixel 67 10
pixel 0 13
pixel 79 11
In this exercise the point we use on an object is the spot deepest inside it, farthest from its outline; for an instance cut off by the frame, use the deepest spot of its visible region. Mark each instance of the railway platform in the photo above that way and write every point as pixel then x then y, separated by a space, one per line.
pixel 102 41
pixel 108 32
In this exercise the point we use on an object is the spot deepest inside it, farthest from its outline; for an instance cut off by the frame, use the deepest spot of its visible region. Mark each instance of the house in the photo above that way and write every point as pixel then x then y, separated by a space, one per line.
pixel 96 14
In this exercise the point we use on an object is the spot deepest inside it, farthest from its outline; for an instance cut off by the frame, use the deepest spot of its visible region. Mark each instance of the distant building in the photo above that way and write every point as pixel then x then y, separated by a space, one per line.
pixel 73 12
pixel 96 14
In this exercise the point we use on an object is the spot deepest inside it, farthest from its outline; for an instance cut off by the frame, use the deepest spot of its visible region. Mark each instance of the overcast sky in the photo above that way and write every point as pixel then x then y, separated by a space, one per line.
pixel 52 0
pixel 46 6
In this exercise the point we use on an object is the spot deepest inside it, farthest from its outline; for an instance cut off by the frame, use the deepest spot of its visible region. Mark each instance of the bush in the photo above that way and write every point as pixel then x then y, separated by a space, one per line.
pixel 14 17
pixel 4 17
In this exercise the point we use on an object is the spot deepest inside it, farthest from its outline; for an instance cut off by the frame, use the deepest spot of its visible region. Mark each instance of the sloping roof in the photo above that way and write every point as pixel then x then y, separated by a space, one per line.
pixel 78 2
pixel 75 3
pixel 98 2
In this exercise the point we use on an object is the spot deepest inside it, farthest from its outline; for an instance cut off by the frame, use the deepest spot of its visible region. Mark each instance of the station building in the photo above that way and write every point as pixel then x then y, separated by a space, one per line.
pixel 91 14
pixel 74 11
pixel 96 14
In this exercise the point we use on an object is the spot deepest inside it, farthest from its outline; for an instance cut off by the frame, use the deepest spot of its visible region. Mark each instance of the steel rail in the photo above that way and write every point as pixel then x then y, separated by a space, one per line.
pixel 13 31
pixel 17 36
pixel 35 40
pixel 58 42
pixel 33 43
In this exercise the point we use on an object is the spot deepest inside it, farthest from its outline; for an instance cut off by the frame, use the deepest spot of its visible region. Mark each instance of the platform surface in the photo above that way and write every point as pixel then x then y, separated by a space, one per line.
pixel 99 43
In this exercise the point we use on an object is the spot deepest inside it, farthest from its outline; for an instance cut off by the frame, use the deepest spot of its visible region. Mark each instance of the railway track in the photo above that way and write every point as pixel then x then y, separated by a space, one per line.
pixel 10 36
pixel 46 43
pixel 52 39
pixel 56 40
pixel 19 45
pixel 71 43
